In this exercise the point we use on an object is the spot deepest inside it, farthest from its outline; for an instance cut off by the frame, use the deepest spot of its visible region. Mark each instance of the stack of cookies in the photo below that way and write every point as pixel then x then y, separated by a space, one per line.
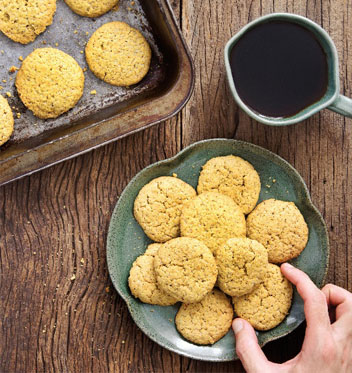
pixel 215 246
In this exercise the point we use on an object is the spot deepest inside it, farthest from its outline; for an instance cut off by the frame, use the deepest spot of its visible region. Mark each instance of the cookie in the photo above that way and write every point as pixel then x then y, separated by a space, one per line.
pixel 118 54
pixel 158 205
pixel 142 280
pixel 6 120
pixel 242 264
pixel 234 177
pixel 207 321
pixel 185 269
pixel 280 227
pixel 269 303
pixel 212 218
pixel 91 8
pixel 49 82
pixel 23 20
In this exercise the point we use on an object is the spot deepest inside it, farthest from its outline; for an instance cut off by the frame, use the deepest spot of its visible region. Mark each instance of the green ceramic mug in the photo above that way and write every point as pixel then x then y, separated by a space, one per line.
pixel 332 98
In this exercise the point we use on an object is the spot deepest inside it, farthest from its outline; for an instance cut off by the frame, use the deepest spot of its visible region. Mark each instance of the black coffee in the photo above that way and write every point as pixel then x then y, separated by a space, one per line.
pixel 279 68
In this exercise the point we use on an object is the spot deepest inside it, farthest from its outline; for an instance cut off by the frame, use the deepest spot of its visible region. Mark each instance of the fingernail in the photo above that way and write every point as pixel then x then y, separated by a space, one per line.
pixel 237 325
pixel 289 266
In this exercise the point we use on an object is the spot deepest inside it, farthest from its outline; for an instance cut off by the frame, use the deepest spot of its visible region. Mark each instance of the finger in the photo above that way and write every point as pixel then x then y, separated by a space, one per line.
pixel 342 300
pixel 315 304
pixel 247 347
pixel 338 297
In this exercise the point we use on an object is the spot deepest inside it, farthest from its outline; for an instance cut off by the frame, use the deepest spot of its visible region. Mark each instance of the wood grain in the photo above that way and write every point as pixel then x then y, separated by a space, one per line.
pixel 59 311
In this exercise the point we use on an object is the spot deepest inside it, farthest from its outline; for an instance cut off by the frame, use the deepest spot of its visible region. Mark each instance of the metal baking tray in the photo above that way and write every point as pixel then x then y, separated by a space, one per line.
pixel 114 112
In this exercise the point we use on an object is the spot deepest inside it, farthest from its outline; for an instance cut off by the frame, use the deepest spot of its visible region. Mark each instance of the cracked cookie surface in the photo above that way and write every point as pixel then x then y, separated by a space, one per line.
pixel 142 280
pixel 212 218
pixel 158 205
pixel 185 269
pixel 242 264
pixel 6 120
pixel 91 8
pixel 234 177
pixel 268 305
pixel 23 20
pixel 118 54
pixel 207 321
pixel 49 82
pixel 280 227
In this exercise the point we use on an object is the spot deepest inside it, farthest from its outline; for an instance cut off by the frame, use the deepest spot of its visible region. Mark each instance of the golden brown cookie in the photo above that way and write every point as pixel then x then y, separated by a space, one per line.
pixel 23 20
pixel 6 120
pixel 158 205
pixel 49 82
pixel 268 304
pixel 207 321
pixel 212 218
pixel 280 227
pixel 234 177
pixel 185 269
pixel 118 54
pixel 91 8
pixel 142 280
pixel 242 265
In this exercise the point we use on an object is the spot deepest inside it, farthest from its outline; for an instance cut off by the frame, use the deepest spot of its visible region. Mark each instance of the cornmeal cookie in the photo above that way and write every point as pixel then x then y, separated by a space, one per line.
pixel 185 269
pixel 158 205
pixel 118 54
pixel 207 321
pixel 242 265
pixel 91 8
pixel 142 281
pixel 6 120
pixel 234 177
pixel 49 82
pixel 280 227
pixel 23 20
pixel 212 218
pixel 269 303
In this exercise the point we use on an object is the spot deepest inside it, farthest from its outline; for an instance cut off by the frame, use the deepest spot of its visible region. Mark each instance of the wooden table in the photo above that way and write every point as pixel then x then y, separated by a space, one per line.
pixel 59 311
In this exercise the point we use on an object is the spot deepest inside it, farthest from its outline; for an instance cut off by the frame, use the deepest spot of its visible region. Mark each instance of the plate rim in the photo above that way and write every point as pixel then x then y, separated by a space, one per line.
pixel 306 197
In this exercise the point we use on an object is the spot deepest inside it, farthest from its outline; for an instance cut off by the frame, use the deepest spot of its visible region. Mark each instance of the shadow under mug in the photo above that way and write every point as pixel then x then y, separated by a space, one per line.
pixel 332 98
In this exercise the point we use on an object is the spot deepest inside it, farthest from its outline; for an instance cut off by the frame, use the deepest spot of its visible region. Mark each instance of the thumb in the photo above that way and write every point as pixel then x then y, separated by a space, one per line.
pixel 248 349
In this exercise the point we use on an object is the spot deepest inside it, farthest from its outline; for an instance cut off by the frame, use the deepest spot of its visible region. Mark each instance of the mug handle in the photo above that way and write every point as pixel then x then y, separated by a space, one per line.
pixel 342 105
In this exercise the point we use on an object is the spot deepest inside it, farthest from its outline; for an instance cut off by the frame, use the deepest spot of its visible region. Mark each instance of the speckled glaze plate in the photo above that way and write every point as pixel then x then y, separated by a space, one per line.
pixel 126 240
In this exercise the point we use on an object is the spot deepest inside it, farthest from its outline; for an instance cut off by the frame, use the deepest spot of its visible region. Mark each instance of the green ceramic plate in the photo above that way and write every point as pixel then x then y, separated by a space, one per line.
pixel 126 241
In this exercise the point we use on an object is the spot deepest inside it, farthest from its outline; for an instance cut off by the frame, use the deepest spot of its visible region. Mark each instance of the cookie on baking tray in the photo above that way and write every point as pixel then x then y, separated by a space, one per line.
pixel 212 218
pixel 267 305
pixel 6 120
pixel 118 54
pixel 158 205
pixel 280 227
pixel 91 8
pixel 207 321
pixel 185 269
pixel 234 177
pixel 23 20
pixel 142 280
pixel 49 82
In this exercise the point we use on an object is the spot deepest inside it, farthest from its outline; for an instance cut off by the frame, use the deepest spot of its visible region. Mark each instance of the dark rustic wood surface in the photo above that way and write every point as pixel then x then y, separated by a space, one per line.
pixel 58 309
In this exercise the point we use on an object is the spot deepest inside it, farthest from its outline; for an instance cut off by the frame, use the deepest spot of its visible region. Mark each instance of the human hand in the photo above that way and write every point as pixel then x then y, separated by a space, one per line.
pixel 327 345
